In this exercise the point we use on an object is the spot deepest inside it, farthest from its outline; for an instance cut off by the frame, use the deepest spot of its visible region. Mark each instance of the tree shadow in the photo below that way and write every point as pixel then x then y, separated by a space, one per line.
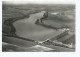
pixel 47 26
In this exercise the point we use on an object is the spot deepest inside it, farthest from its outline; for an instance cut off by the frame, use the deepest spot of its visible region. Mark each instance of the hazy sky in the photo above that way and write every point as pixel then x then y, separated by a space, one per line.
pixel 41 1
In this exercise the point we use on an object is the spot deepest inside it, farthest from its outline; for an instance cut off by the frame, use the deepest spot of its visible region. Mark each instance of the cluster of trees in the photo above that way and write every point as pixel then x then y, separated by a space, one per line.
pixel 9 24
pixel 43 18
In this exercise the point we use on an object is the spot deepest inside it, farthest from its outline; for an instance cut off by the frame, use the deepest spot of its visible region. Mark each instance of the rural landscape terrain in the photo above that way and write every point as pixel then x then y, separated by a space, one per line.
pixel 38 28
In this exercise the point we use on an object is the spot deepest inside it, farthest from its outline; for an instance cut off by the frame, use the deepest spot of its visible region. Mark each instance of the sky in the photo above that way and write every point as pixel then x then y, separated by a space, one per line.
pixel 40 1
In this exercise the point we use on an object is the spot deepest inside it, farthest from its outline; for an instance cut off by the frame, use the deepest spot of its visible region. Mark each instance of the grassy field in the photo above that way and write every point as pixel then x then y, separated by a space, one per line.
pixel 60 20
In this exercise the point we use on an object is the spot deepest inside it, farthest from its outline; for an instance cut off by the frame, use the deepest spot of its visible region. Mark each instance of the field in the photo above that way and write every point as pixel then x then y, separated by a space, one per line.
pixel 23 18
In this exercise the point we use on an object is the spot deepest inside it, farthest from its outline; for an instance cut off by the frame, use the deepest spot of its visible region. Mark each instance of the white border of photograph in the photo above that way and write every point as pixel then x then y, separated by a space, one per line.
pixel 45 54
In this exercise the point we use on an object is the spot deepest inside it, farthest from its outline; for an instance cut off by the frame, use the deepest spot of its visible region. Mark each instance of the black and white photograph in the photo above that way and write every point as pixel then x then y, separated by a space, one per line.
pixel 38 26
